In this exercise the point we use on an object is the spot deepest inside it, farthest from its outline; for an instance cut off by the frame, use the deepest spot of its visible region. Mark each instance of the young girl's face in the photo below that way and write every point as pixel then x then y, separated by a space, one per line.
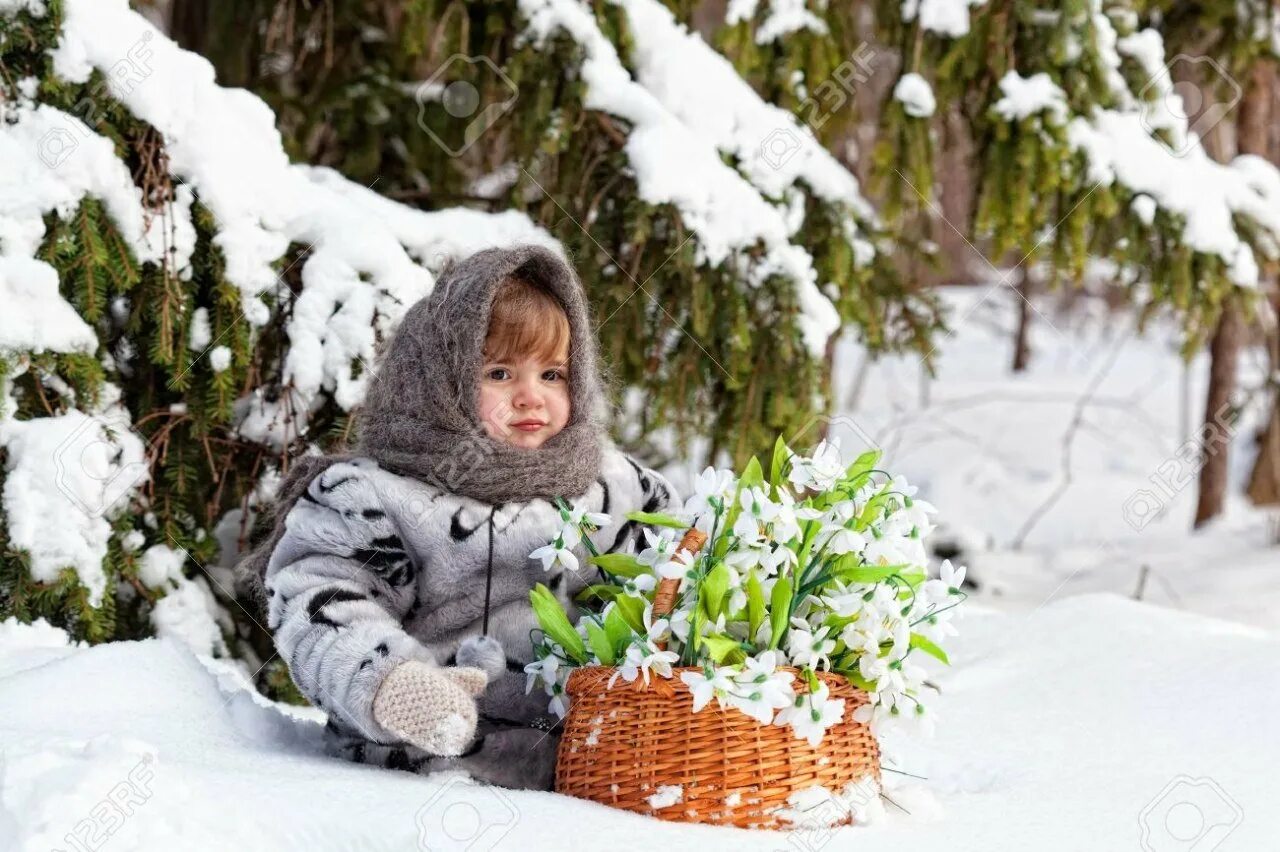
pixel 524 400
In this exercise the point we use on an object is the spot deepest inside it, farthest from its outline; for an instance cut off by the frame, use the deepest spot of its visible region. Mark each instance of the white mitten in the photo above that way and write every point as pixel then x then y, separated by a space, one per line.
pixel 431 707
pixel 483 652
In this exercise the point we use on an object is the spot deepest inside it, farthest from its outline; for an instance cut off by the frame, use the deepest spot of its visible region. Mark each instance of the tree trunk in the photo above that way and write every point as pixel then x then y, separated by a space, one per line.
pixel 1256 127
pixel 1251 138
pixel 1215 440
pixel 1264 479
pixel 1021 345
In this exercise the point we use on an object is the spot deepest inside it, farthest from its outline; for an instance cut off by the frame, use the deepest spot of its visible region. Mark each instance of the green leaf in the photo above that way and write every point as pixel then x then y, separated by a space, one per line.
pixel 620 564
pixel 860 682
pixel 918 641
pixel 753 476
pixel 755 604
pixel 657 519
pixel 600 591
pixel 780 456
pixel 714 588
pixel 723 648
pixel 556 624
pixel 631 609
pixel 866 573
pixel 863 464
pixel 779 609
pixel 600 643
pixel 616 627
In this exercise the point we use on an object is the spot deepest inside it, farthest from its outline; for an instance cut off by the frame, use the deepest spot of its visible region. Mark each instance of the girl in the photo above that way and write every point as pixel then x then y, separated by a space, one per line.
pixel 396 581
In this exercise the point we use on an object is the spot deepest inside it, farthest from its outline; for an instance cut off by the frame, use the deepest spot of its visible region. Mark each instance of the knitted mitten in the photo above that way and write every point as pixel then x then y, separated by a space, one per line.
pixel 430 707
pixel 483 652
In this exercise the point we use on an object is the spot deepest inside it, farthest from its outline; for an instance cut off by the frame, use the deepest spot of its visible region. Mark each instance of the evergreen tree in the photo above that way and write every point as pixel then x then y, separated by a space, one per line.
pixel 611 120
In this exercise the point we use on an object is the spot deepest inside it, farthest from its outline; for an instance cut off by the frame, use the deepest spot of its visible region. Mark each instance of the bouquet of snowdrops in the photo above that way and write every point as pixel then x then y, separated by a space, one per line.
pixel 816 567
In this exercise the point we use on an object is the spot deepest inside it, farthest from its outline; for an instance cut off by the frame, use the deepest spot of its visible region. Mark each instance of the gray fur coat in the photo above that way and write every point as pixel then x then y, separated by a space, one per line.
pixel 375 569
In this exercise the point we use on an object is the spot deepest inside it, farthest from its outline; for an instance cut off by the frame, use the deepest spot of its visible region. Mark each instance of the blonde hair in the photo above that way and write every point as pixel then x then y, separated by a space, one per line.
pixel 525 320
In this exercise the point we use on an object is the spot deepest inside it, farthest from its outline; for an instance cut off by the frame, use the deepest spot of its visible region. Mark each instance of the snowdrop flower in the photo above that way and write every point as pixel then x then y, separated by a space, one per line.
pixel 712 487
pixel 819 472
pixel 578 517
pixel 641 658
pixel 757 511
pixel 545 669
pixel 640 585
pixel 657 630
pixel 844 541
pixel 705 688
pixel 811 714
pixel 947 583
pixel 843 601
pixel 778 559
pixel 809 649
pixel 663 556
pixel 559 703
pixel 680 623
pixel 556 553
pixel 761 689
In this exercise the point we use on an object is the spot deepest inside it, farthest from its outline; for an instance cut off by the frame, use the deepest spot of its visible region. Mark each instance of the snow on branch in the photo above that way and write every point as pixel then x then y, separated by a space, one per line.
pixel 678 135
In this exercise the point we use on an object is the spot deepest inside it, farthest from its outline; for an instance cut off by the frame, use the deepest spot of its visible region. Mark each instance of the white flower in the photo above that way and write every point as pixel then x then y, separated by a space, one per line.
pixel 641 658
pixel 657 630
pixel 712 486
pixel 704 688
pixel 577 517
pixel 844 541
pixel 819 472
pixel 555 553
pixel 809 649
pixel 639 585
pixel 760 689
pixel 663 556
pixel 545 670
pixel 947 584
pixel 811 714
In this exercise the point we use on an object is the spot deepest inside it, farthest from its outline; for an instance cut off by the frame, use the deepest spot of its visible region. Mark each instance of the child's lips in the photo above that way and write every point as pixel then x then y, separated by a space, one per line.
pixel 528 425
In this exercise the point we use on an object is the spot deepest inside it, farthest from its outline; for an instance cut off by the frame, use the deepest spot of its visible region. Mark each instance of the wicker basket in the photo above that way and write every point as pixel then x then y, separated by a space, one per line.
pixel 621 744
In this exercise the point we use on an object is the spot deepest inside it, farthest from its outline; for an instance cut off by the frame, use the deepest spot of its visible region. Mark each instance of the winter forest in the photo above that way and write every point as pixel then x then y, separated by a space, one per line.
pixel 941 339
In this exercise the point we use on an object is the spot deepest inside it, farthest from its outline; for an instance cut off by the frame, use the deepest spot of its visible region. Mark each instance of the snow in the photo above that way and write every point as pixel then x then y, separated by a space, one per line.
pixel 1114 732
pixel 65 478
pixel 1207 194
pixel 36 318
pixel 187 614
pixel 666 796
pixel 160 564
pixel 915 94
pixel 1022 97
pixel 986 446
pixel 784 18
pixel 675 143
pixel 362 270
pixel 944 17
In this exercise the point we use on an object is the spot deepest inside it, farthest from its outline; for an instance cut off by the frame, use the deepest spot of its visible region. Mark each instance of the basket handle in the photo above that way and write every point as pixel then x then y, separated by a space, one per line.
pixel 664 599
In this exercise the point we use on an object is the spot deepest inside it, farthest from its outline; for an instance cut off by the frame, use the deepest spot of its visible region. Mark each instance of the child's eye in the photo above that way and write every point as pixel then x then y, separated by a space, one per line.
pixel 553 376
pixel 497 374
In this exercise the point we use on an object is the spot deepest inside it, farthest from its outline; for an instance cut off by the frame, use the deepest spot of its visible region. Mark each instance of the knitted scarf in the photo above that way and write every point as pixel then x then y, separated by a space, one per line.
pixel 420 417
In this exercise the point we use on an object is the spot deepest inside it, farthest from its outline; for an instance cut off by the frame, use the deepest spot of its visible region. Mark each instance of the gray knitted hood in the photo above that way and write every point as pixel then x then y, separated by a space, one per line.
pixel 420 416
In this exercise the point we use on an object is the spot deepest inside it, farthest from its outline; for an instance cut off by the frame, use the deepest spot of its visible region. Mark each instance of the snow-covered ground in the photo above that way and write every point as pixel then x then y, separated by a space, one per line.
pixel 1079 726
pixel 1073 716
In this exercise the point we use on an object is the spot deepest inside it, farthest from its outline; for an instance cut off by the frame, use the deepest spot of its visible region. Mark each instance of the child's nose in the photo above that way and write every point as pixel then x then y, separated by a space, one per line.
pixel 527 395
